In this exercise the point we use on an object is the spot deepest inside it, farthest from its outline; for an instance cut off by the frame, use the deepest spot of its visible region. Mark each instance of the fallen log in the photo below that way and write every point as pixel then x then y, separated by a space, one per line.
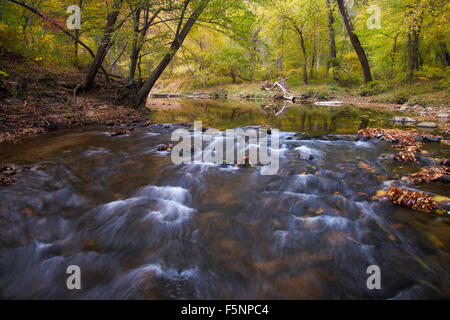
pixel 281 84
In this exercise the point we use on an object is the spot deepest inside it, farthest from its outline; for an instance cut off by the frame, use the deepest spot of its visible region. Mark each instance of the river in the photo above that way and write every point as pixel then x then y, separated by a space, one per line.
pixel 141 227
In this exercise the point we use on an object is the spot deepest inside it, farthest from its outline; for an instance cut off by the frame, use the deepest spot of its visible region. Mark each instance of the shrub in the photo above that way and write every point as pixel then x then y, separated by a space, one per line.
pixel 346 80
pixel 372 89
pixel 318 93
pixel 400 97
pixel 333 87
pixel 431 72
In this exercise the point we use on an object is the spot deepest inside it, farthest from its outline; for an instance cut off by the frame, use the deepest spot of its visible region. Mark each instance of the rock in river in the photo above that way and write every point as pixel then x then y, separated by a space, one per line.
pixel 403 120
pixel 303 155
pixel 427 125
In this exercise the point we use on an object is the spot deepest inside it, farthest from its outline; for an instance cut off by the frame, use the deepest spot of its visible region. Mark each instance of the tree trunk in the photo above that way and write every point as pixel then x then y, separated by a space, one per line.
pixel 394 51
pixel 299 33
pixel 313 63
pixel 415 60
pixel 134 50
pixel 77 37
pixel 305 62
pixel 410 61
pixel 443 54
pixel 415 49
pixel 139 39
pixel 105 45
pixel 413 52
pixel 113 64
pixel 57 26
pixel 233 75
pixel 355 42
pixel 332 33
pixel 178 40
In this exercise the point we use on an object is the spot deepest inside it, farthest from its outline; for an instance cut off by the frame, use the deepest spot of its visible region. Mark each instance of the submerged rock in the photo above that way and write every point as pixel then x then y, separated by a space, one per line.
pixel 303 155
pixel 165 147
pixel 117 133
pixel 6 181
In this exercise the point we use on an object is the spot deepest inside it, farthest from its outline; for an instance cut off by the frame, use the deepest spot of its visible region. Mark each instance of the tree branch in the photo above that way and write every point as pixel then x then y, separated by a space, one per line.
pixel 60 28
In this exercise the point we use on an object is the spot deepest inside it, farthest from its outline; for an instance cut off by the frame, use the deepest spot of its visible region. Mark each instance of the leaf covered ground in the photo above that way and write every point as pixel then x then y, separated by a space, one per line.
pixel 36 98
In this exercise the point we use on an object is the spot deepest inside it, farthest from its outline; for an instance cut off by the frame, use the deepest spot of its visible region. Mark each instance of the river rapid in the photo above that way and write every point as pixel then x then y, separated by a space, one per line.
pixel 141 227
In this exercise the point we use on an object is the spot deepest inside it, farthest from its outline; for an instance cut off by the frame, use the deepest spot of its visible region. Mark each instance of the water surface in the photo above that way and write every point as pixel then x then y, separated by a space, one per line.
pixel 141 227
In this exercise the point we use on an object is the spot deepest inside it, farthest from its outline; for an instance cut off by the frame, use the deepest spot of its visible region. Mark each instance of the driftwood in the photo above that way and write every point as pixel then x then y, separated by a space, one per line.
pixel 281 84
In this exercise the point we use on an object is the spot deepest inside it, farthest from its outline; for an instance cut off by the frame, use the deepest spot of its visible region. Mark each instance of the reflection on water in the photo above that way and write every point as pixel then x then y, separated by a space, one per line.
pixel 141 227
pixel 285 116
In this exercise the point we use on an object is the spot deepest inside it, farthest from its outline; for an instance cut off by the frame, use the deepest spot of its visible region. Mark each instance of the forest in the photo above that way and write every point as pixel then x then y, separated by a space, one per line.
pixel 199 44
pixel 224 150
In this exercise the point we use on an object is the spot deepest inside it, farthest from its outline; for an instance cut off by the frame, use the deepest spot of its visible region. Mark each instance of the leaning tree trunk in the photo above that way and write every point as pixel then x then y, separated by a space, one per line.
pixel 179 38
pixel 105 45
pixel 355 42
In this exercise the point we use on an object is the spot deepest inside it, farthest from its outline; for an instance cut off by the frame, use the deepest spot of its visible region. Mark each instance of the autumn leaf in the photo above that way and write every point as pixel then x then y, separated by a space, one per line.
pixel 411 199
pixel 435 240
pixel 441 199
pixel 380 194
pixel 427 175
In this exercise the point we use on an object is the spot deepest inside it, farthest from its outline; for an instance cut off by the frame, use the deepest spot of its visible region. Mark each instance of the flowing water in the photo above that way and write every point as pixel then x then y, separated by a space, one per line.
pixel 141 227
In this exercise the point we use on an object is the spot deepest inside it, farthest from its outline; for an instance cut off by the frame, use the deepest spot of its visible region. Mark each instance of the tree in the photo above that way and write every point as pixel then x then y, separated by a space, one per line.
pixel 58 27
pixel 333 52
pixel 355 41
pixel 150 13
pixel 297 16
pixel 180 35
pixel 105 45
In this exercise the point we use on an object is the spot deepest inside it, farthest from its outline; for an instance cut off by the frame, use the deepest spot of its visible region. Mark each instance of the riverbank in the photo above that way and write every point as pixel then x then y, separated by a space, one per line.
pixel 36 98
pixel 426 92
pixel 424 100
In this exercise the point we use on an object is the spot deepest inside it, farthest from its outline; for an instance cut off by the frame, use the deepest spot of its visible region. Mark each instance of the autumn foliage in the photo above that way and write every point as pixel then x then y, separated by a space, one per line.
pixel 406 141
pixel 411 199
pixel 427 175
